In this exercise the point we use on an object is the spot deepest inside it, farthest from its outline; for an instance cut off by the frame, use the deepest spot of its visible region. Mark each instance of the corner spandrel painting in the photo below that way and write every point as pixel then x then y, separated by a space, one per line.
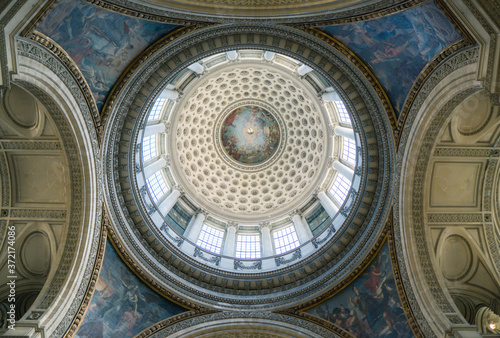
pixel 122 305
pixel 370 305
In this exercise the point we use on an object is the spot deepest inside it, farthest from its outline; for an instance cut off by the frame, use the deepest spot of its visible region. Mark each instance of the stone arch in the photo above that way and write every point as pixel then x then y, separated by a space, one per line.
pixel 41 74
pixel 445 89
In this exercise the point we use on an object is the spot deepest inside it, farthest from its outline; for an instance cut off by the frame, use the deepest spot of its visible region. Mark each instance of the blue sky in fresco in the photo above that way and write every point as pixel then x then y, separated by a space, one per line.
pixel 122 305
pixel 398 47
pixel 101 43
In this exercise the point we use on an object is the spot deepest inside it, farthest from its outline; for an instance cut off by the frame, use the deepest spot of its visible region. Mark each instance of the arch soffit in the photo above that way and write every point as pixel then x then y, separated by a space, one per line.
pixel 444 90
pixel 44 76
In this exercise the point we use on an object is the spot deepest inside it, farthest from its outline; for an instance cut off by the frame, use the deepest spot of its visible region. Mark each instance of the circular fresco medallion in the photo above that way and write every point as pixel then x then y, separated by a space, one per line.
pixel 250 134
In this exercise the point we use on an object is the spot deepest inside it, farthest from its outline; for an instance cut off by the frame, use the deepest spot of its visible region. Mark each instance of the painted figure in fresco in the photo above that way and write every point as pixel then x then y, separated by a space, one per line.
pixel 371 307
pixel 127 322
pixel 129 296
pixel 398 46
pixel 105 294
pixel 122 306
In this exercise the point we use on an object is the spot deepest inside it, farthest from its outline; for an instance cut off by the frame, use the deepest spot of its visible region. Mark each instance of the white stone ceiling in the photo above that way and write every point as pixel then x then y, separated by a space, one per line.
pixel 232 190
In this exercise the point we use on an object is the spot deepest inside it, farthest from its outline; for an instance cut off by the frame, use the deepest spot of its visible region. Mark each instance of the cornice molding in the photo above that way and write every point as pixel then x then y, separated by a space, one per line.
pixel 163 62
pixel 89 293
pixel 333 16
pixel 303 321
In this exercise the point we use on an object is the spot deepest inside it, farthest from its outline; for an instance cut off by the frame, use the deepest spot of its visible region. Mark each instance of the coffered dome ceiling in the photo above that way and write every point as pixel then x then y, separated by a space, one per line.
pixel 249 138
pixel 242 140
pixel 243 153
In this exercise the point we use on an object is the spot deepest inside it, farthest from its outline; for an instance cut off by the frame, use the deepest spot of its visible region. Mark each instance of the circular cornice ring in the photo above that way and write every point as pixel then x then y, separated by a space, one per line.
pixel 168 268
pixel 186 14
pixel 258 324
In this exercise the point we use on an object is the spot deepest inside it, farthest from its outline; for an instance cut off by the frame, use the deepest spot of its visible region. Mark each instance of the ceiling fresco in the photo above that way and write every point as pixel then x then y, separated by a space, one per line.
pixel 370 305
pixel 250 134
pixel 397 47
pixel 101 43
pixel 122 305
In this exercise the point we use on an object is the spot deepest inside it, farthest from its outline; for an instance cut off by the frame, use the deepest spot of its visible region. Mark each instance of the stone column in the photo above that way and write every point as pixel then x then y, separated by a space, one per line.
pixel 193 230
pixel 230 241
pixel 169 93
pixel 152 168
pixel 327 204
pixel 330 96
pixel 169 202
pixel 197 68
pixel 303 70
pixel 269 56
pixel 267 241
pixel 154 129
pixel 343 131
pixel 343 169
pixel 302 229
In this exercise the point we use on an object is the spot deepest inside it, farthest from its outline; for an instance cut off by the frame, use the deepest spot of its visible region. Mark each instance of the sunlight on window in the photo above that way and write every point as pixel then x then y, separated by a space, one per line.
pixel 155 112
pixel 148 148
pixel 210 239
pixel 349 151
pixel 285 240
pixel 248 246
pixel 343 114
pixel 157 186
pixel 340 188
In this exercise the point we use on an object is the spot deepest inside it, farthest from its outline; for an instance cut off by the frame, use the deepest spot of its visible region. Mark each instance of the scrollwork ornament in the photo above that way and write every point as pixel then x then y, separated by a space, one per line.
pixel 241 265
pixel 214 259
pixel 297 254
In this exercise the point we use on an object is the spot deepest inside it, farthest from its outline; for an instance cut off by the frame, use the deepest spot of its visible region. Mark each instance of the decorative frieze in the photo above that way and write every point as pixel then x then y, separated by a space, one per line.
pixel 463 152
pixel 40 214
pixel 454 218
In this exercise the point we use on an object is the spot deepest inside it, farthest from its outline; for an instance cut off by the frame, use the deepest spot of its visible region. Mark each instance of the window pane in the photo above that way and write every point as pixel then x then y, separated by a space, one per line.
pixel 343 114
pixel 155 112
pixel 148 147
pixel 318 220
pixel 157 186
pixel 285 240
pixel 210 239
pixel 349 151
pixel 340 188
pixel 248 246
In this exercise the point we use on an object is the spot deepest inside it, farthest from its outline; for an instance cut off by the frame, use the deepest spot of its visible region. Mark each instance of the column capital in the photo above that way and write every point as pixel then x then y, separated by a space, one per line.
pixel 179 188
pixel 167 126
pixel 201 211
pixel 231 224
pixel 318 190
pixel 295 212
pixel 166 157
pixel 263 225
pixel 331 130
pixel 331 160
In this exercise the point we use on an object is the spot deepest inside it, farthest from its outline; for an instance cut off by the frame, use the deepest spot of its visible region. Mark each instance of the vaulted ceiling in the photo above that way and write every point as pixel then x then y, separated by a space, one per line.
pixel 91 249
